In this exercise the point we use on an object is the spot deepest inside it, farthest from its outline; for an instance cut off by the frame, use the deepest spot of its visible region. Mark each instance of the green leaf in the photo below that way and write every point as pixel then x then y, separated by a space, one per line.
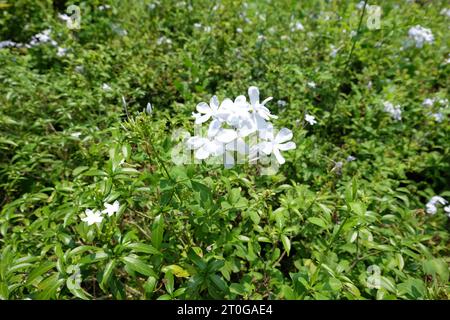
pixel 438 268
pixel 176 270
pixel 196 259
pixel 286 243
pixel 142 248
pixel 136 264
pixel 169 282
pixel 318 222
pixel 157 231
pixel 39 271
pixel 107 274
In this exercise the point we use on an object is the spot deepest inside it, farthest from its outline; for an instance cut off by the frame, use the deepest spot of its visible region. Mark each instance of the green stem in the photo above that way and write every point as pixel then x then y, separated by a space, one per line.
pixel 355 37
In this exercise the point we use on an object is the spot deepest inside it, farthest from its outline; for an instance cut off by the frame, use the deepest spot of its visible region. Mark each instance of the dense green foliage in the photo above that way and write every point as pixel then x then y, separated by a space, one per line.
pixel 312 231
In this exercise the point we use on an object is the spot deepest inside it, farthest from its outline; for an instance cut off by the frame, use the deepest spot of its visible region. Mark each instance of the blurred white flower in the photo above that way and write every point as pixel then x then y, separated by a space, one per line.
pixel 239 30
pixel 110 209
pixel 350 158
pixel 310 119
pixel 445 12
pixel 438 117
pixel 420 35
pixel 7 43
pixel 395 112
pixel 106 87
pixel 428 102
pixel 311 84
pixel 431 207
pixel 104 7
pixel 163 40
pixel 61 52
pixel 281 103
pixel 92 217
pixel 297 26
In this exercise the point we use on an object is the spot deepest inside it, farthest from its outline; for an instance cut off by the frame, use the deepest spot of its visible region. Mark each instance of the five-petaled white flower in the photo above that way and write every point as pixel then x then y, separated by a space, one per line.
pixel 110 209
pixel 273 145
pixel 92 217
pixel 310 119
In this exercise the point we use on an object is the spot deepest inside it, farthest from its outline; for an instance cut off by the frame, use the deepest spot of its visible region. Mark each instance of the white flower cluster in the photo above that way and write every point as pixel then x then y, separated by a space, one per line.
pixel 394 111
pixel 420 35
pixel 437 105
pixel 239 126
pixel 431 207
pixel 97 215
pixel 38 39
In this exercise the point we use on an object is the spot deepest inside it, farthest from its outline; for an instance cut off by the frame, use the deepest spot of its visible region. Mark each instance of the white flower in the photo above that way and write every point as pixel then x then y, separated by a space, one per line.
pixel 106 87
pixel 259 108
pixel 163 40
pixel 311 84
pixel 274 145
pixel 334 51
pixel 395 112
pixel 149 108
pixel 297 27
pixel 447 209
pixel 428 102
pixel 350 158
pixel 438 199
pixel 7 43
pixel 104 7
pixel 205 147
pixel 281 103
pixel 61 52
pixel 420 35
pixel 92 217
pixel 110 209
pixel 438 117
pixel 431 207
pixel 197 25
pixel 310 119
pixel 353 33
pixel 360 5
pixel 239 30
pixel 215 111
pixel 445 12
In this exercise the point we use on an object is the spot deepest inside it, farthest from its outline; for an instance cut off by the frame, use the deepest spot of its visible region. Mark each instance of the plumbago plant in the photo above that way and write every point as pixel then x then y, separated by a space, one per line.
pixel 110 188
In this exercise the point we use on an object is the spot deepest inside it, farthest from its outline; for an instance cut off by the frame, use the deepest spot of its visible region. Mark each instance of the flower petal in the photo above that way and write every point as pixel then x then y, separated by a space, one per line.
pixel 284 135
pixel 278 155
pixel 201 153
pixel 226 135
pixel 203 107
pixel 214 127
pixel 253 94
pixel 287 146
pixel 203 118
pixel 214 103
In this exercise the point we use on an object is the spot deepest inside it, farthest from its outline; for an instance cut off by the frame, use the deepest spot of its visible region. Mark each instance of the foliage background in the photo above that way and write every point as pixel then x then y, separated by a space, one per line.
pixel 203 232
